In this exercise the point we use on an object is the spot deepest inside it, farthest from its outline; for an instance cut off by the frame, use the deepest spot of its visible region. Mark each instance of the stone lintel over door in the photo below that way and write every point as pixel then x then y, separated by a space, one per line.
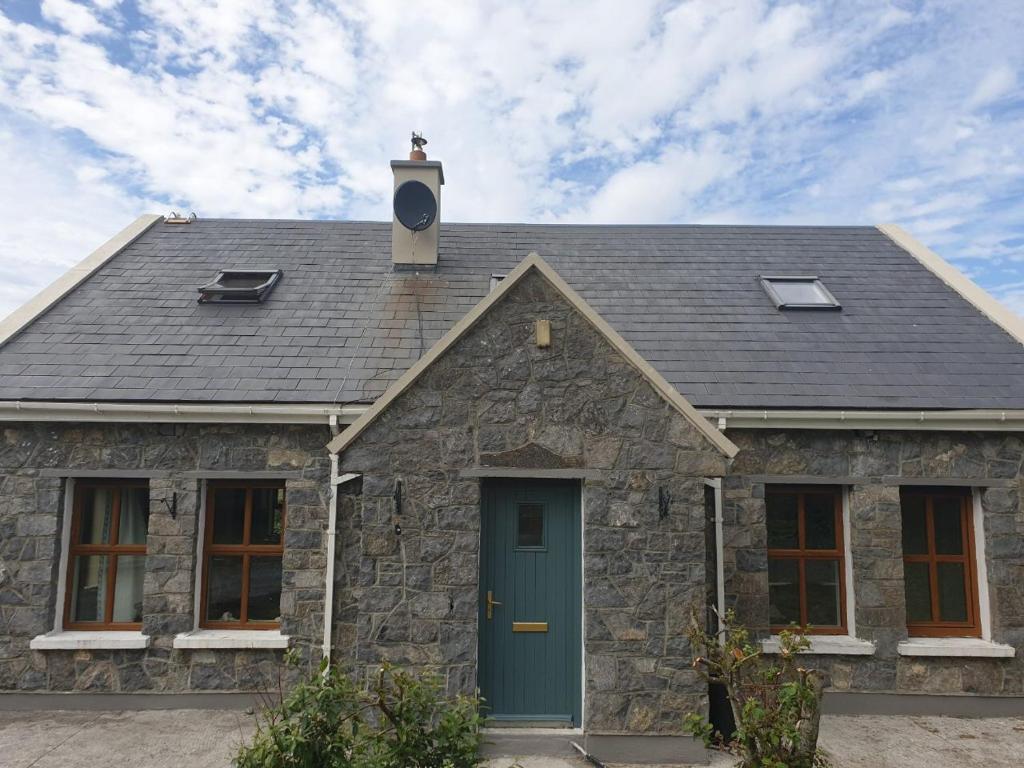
pixel 493 399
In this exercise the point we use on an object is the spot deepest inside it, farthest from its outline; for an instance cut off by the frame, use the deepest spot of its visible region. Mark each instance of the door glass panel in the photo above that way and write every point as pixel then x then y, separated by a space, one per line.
pixel 131 570
pixel 918 590
pixel 819 521
pixel 915 530
pixel 267 515
pixel 531 526
pixel 822 580
pixel 783 592
pixel 264 589
pixel 224 589
pixel 97 516
pixel 781 511
pixel 952 592
pixel 228 515
pixel 947 517
pixel 134 517
pixel 89 587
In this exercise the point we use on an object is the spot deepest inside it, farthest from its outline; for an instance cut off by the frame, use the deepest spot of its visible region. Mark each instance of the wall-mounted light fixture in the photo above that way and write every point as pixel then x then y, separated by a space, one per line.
pixel 398 507
pixel 172 505
pixel 664 500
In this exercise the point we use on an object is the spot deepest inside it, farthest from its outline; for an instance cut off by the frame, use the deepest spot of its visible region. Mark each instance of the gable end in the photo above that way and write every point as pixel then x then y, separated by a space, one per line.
pixel 530 264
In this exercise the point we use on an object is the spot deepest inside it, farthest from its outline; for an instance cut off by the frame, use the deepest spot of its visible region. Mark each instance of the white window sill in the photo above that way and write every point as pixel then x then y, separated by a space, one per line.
pixel 826 645
pixel 238 639
pixel 954 646
pixel 83 640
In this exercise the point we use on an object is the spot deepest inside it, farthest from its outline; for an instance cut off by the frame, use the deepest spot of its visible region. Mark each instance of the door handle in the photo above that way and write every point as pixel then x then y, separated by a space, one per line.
pixel 491 602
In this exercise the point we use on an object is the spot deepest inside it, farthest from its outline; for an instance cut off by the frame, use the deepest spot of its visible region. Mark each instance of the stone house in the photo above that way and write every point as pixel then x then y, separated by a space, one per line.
pixel 518 455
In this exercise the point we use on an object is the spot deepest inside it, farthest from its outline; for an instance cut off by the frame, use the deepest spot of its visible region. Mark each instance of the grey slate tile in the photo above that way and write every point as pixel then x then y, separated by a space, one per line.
pixel 687 297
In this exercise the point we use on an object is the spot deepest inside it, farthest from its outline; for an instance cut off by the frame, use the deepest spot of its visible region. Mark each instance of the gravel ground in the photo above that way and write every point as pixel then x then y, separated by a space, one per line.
pixel 208 739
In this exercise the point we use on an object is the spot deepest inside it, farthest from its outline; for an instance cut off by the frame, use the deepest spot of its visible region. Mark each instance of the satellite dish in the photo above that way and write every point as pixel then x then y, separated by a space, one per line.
pixel 415 205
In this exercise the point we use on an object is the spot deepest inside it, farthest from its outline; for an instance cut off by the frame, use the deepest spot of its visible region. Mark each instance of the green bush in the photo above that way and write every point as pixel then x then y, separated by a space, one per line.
pixel 776 704
pixel 402 721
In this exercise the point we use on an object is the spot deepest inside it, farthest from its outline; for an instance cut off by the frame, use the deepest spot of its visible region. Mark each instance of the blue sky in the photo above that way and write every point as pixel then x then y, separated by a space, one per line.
pixel 849 112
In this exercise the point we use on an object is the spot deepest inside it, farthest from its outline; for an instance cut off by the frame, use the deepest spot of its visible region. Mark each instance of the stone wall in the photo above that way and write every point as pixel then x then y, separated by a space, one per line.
pixel 876 462
pixel 497 400
pixel 31 518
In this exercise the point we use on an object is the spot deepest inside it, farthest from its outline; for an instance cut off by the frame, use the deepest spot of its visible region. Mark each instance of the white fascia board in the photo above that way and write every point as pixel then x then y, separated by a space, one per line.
pixel 228 413
pixel 1009 321
pixel 74 277
pixel 260 413
pixel 954 421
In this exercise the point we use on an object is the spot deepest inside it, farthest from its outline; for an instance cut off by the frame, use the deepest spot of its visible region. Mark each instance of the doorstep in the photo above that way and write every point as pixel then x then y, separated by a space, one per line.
pixel 608 748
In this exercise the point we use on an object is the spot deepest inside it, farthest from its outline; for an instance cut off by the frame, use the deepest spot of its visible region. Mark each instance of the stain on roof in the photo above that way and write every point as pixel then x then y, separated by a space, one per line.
pixel 341 325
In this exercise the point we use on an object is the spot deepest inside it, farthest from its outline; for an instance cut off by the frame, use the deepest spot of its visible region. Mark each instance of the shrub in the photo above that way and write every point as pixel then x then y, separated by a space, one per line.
pixel 419 727
pixel 402 721
pixel 776 704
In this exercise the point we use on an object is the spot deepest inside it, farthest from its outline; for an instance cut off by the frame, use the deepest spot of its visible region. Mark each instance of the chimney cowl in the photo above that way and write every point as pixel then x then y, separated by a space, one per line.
pixel 417 247
pixel 417 154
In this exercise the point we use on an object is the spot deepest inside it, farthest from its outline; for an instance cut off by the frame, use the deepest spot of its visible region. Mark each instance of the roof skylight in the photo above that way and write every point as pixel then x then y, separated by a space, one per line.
pixel 799 292
pixel 239 286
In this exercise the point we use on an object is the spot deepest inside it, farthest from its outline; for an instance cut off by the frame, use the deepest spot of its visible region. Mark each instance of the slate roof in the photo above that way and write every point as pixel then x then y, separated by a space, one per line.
pixel 341 325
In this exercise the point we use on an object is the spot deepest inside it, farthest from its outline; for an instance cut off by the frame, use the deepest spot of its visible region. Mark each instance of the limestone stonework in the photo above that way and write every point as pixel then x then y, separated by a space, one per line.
pixel 495 399
pixel 874 464
pixel 31 515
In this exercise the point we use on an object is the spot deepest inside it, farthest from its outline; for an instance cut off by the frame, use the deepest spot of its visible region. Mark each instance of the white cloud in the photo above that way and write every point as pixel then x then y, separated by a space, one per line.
pixel 74 17
pixel 555 110
pixel 55 214
pixel 996 83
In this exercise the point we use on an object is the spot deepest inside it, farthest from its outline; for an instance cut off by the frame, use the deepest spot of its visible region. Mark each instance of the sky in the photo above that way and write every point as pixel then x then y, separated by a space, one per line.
pixel 603 111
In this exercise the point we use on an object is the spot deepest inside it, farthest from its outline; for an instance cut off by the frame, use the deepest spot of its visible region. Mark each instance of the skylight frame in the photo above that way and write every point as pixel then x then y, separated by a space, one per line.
pixel 216 292
pixel 831 303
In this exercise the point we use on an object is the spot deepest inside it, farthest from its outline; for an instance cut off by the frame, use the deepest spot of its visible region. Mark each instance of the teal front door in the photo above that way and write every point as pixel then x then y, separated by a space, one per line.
pixel 530 604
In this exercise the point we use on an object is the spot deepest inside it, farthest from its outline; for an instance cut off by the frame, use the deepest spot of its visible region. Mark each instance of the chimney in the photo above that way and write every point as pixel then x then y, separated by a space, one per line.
pixel 417 207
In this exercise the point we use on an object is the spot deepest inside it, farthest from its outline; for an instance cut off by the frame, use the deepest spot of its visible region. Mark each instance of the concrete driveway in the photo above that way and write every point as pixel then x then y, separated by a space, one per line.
pixel 208 739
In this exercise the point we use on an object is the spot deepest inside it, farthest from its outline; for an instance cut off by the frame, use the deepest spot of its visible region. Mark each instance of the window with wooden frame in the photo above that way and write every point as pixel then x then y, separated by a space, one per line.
pixel 107 555
pixel 242 554
pixel 806 558
pixel 939 567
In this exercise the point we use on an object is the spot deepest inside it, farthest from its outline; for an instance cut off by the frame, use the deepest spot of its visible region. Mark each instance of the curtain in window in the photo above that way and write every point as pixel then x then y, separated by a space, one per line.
pixel 131 570
pixel 91 578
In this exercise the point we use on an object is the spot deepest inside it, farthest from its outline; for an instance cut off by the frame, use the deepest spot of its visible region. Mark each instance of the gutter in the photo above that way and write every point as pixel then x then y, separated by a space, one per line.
pixel 989 420
pixel 228 413
pixel 715 483
pixel 955 421
pixel 332 537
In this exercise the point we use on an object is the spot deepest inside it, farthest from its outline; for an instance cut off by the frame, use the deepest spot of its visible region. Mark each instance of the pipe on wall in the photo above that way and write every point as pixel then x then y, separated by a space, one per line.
pixel 332 535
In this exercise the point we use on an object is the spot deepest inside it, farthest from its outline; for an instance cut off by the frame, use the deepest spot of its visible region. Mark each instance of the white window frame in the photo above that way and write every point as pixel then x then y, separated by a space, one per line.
pixel 985 646
pixel 59 639
pixel 220 639
pixel 837 645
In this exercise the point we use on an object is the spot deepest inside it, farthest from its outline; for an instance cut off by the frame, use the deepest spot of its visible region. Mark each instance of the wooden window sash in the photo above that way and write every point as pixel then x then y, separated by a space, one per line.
pixel 936 627
pixel 245 550
pixel 112 550
pixel 801 554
